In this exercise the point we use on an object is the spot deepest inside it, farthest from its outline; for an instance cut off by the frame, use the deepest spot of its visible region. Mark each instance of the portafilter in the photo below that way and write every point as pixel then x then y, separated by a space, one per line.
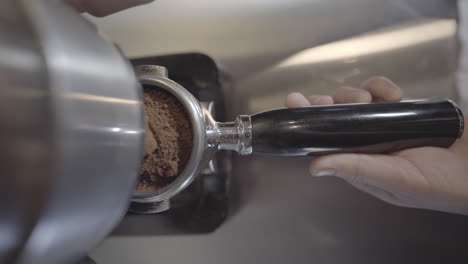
pixel 307 131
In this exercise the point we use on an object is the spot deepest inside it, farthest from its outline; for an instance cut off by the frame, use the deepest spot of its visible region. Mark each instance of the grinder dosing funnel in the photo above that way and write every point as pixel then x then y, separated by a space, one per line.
pixel 316 130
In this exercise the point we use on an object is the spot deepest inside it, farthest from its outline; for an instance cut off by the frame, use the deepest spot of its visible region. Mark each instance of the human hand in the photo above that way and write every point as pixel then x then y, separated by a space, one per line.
pixel 105 7
pixel 428 177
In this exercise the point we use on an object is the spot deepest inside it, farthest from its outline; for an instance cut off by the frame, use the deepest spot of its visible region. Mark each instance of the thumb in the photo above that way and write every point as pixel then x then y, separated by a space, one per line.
pixel 379 175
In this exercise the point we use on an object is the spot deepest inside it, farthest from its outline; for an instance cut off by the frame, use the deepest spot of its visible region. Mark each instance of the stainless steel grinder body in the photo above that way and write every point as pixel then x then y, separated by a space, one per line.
pixel 72 133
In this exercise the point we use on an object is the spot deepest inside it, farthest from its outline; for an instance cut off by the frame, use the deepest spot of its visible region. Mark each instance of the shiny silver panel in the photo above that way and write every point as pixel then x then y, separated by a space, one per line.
pixel 72 133
pixel 26 131
pixel 272 47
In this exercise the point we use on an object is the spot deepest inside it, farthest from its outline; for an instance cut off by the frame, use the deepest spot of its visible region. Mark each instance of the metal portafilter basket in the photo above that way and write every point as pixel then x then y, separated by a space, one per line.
pixel 306 131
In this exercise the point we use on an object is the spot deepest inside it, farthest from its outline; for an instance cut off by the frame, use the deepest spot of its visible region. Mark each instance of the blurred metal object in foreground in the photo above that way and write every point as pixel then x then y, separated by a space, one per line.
pixel 72 133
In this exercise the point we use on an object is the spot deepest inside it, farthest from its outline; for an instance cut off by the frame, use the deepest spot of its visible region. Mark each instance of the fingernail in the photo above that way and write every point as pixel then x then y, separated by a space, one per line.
pixel 324 172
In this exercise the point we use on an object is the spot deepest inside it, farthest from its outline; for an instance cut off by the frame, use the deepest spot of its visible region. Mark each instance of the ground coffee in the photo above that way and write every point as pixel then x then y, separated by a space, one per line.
pixel 168 139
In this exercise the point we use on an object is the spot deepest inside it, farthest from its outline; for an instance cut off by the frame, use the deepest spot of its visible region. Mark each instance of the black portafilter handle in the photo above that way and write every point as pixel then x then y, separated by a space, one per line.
pixel 356 128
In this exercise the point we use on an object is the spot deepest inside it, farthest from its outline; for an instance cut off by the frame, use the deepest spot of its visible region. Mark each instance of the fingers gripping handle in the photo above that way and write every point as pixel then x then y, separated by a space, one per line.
pixel 357 128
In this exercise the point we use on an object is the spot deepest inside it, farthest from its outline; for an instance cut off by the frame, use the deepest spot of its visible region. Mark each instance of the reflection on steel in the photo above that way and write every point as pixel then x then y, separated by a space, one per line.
pixel 400 37
pixel 99 98
pixel 419 56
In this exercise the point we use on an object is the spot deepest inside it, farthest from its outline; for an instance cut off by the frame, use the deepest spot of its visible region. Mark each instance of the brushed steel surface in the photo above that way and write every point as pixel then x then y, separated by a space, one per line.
pixel 25 124
pixel 72 133
pixel 271 48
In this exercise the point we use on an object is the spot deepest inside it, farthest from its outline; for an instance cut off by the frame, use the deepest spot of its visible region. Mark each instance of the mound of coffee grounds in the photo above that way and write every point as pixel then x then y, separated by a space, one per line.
pixel 168 140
